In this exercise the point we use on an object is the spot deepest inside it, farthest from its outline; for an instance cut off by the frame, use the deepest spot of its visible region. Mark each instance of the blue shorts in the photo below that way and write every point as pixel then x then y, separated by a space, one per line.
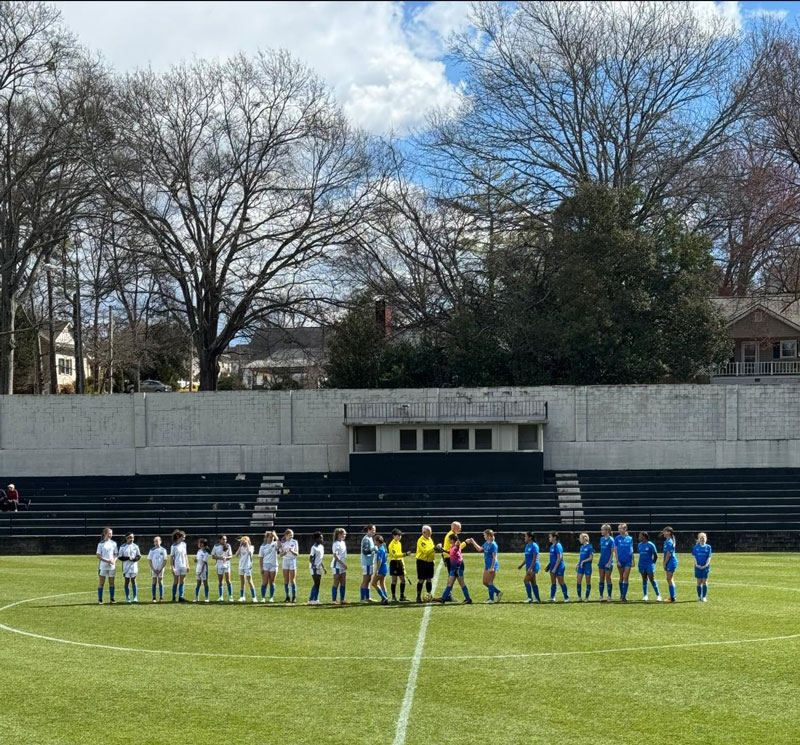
pixel 701 573
pixel 586 570
pixel 647 568
pixel 624 564
pixel 672 565
pixel 605 566
pixel 456 570
pixel 383 571
pixel 489 567
pixel 559 570
pixel 536 568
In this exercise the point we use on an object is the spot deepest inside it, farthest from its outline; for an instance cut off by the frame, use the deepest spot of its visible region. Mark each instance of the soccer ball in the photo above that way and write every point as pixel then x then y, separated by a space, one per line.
pixel 427 597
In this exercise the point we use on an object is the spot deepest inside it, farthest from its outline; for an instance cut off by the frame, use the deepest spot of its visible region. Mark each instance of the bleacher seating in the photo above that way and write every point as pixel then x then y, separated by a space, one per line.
pixel 312 502
pixel 81 506
pixel 719 500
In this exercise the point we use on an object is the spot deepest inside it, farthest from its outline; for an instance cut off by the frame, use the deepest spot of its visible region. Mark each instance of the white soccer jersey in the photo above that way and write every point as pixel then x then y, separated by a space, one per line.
pixel 316 557
pixel 268 553
pixel 289 551
pixel 202 563
pixel 245 554
pixel 180 559
pixel 129 552
pixel 107 550
pixel 223 557
pixel 158 558
pixel 339 555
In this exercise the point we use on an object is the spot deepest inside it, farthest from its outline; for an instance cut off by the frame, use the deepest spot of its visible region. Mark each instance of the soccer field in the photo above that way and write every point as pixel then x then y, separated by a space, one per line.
pixel 720 672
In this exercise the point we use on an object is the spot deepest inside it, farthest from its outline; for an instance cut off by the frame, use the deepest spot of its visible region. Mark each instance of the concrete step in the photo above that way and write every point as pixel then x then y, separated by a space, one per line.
pixel 269 491
pixel 560 476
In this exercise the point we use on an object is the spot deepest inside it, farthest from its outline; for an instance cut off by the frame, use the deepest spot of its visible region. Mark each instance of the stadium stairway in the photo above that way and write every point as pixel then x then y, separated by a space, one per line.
pixel 750 501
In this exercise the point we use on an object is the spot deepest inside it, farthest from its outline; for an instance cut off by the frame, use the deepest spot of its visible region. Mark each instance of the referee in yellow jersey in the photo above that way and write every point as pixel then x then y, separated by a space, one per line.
pixel 426 555
pixel 397 565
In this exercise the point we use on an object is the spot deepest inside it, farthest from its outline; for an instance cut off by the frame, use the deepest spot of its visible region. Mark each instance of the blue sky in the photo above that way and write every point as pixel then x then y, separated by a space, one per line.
pixel 385 61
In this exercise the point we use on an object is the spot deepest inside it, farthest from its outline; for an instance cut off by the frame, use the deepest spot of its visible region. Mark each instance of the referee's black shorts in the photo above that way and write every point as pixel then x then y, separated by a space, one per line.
pixel 424 569
pixel 397 568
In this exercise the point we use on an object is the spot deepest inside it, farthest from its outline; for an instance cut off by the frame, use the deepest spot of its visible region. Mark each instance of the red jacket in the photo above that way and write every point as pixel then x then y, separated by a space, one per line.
pixel 13 495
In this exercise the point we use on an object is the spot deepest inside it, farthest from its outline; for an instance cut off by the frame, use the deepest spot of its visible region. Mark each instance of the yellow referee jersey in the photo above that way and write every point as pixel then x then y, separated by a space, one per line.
pixel 426 549
pixel 396 550
pixel 447 544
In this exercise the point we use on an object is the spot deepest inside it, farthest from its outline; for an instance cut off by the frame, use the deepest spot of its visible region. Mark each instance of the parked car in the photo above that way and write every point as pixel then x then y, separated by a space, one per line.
pixel 154 386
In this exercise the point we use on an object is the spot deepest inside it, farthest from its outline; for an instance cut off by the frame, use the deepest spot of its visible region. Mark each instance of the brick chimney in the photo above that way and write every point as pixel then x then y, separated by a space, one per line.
pixel 383 316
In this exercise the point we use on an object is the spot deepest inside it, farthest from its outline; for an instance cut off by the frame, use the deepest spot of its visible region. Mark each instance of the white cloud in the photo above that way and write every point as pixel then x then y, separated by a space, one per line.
pixel 385 72
pixel 778 14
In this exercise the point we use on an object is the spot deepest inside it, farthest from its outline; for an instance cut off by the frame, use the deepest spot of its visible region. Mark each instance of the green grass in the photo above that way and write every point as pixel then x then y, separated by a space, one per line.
pixel 734 693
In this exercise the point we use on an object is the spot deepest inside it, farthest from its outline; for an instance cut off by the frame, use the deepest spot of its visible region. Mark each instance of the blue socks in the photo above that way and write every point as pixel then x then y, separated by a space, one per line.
pixel 230 590
pixel 174 591
pixel 602 588
pixel 272 591
pixel 196 592
pixel 446 593
pixel 263 592
pixel 205 591
pixel 644 586
pixel 286 589
pixel 578 588
pixel 180 590
pixel 111 592
pixel 341 593
pixel 333 593
pixel 100 594
pixel 466 593
pixel 588 590
pixel 491 592
pixel 608 587
pixel 220 589
pixel 154 590
pixel 655 587
pixel 529 590
pixel 699 591
pixel 623 590
pixel 536 592
pixel 564 591
pixel 705 590
pixel 127 592
pixel 672 592
pixel 553 591
pixel 294 590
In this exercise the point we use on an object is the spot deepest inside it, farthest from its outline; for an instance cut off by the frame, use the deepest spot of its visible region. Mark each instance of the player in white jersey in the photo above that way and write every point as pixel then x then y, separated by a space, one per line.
pixel 367 559
pixel 201 569
pixel 289 550
pixel 107 556
pixel 157 558
pixel 268 558
pixel 179 561
pixel 222 554
pixel 339 565
pixel 130 554
pixel 316 565
pixel 245 554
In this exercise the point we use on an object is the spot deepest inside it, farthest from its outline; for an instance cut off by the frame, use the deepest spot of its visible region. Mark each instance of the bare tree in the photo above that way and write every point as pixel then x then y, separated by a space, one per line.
pixel 48 99
pixel 243 175
pixel 621 94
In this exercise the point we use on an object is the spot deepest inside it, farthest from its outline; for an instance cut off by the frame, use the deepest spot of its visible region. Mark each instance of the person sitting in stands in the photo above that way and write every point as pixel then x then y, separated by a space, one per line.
pixel 12 496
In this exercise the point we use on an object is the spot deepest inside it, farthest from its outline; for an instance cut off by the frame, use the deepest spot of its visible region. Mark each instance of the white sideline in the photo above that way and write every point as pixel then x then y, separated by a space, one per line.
pixel 411 685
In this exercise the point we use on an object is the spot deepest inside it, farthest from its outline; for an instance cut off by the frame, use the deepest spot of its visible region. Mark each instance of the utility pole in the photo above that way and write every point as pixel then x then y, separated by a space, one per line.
pixel 110 349
pixel 52 335
pixel 80 376
pixel 191 363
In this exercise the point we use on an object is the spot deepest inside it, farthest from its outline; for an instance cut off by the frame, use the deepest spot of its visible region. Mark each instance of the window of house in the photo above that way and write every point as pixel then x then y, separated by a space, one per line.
pixel 788 348
pixel 528 437
pixel 64 366
pixel 460 439
pixel 408 439
pixel 364 440
pixel 430 439
pixel 483 439
pixel 758 316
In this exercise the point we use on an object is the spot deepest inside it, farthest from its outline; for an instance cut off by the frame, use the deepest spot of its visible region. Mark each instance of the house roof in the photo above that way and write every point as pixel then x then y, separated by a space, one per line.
pixel 784 307
pixel 282 345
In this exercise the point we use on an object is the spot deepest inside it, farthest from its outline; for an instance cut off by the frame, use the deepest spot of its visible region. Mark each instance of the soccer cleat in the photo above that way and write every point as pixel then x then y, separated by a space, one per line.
pixel 100 602
pixel 255 600
pixel 488 602
pixel 128 601
pixel 552 600
pixel 705 600
pixel 241 599
pixel 404 599
pixel 230 599
pixel 499 596
pixel 181 600
pixel 528 600
pixel 466 602
pixel 207 600
pixel 136 601
pixel 580 599
pixel 384 601
pixel 112 602
pixel 672 600
pixel 659 599
pixel 566 600
pixel 220 599
pixel 154 600
pixel 195 600
pixel 272 600
pixel 646 598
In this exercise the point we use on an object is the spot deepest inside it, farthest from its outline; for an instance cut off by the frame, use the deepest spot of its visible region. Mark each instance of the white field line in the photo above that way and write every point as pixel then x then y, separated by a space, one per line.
pixel 411 685
pixel 400 658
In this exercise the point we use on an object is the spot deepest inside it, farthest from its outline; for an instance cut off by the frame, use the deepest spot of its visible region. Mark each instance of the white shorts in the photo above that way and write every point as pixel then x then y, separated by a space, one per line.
pixel 159 575
pixel 131 573
pixel 366 568
pixel 245 572
pixel 316 572
pixel 203 574
pixel 105 570
pixel 290 563
pixel 339 570
pixel 180 571
pixel 223 567
pixel 270 568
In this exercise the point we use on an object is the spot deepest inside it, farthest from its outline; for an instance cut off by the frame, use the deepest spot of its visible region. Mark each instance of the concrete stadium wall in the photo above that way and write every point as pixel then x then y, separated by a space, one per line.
pixel 596 427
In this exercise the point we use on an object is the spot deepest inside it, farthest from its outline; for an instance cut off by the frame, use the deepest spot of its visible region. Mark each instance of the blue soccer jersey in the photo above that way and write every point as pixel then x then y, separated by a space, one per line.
pixel 624 546
pixel 648 553
pixel 367 550
pixel 586 552
pixel 606 552
pixel 380 558
pixel 557 564
pixel 702 554
pixel 532 556
pixel 490 552
pixel 670 556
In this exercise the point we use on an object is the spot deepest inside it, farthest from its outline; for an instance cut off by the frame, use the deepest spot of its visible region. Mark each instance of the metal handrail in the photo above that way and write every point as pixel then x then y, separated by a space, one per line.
pixel 446 411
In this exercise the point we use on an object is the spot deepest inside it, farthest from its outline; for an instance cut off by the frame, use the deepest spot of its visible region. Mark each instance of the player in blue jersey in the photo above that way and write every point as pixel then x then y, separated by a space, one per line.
pixel 605 565
pixel 623 551
pixel 490 565
pixel 585 565
pixel 531 564
pixel 367 560
pixel 556 566
pixel 670 561
pixel 648 555
pixel 702 565
pixel 381 569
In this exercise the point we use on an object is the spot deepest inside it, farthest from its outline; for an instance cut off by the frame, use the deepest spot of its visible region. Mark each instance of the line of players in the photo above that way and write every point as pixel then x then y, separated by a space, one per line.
pixel 377 561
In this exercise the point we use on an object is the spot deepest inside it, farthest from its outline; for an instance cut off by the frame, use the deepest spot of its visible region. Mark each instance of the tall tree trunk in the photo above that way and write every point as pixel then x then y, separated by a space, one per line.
pixel 209 370
pixel 8 310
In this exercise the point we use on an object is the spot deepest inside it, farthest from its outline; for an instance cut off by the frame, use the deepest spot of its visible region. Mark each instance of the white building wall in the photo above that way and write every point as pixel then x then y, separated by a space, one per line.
pixel 600 427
